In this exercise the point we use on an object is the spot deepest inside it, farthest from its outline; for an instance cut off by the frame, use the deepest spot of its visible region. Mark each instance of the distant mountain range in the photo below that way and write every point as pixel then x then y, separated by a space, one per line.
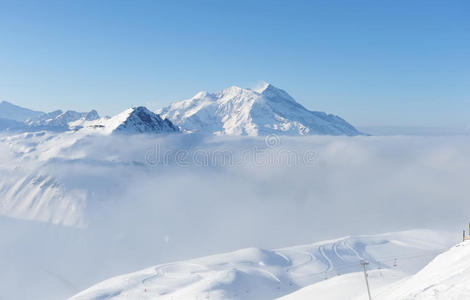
pixel 13 112
pixel 60 118
pixel 233 111
pixel 16 118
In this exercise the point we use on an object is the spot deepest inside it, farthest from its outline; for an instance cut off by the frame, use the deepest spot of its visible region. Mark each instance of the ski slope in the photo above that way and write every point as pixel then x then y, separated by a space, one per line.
pixel 254 273
pixel 350 286
pixel 445 277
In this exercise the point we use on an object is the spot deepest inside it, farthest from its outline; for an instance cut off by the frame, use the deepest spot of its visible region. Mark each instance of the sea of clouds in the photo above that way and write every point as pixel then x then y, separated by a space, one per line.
pixel 152 200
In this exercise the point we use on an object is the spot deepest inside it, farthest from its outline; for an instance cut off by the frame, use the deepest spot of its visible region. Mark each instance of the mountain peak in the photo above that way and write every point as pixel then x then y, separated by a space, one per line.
pixel 142 120
pixel 92 115
pixel 271 92
pixel 140 110
pixel 136 120
pixel 232 90
pixel 262 87
pixel 201 94
pixel 263 111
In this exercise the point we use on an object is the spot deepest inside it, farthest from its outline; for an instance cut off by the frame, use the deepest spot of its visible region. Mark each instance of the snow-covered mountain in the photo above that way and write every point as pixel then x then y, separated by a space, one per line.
pixel 134 120
pixel 60 120
pixel 16 118
pixel 35 193
pixel 17 113
pixel 267 274
pixel 131 121
pixel 233 111
pixel 265 111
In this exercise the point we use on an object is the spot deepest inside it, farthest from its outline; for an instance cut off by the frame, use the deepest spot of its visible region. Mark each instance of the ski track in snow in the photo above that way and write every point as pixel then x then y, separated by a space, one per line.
pixel 335 249
pixel 347 244
pixel 311 257
pixel 328 260
pixel 283 256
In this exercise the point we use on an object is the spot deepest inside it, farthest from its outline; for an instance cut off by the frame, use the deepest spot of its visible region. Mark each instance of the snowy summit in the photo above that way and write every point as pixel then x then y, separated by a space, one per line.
pixel 135 120
pixel 264 111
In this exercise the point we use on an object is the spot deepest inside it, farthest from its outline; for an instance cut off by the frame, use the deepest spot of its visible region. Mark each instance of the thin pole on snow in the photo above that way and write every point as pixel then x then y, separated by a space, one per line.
pixel 364 264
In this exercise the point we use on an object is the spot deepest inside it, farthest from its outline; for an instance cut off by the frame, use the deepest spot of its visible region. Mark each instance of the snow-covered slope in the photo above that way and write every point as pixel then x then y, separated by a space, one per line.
pixel 266 274
pixel 446 277
pixel 31 189
pixel 17 113
pixel 238 111
pixel 43 198
pixel 350 286
pixel 133 120
pixel 12 125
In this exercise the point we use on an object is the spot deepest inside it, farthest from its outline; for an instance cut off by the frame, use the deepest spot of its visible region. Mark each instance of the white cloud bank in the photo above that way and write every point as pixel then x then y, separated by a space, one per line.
pixel 209 195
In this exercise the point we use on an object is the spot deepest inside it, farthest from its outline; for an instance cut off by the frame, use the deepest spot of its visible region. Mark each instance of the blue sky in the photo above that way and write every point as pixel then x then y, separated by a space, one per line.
pixel 372 62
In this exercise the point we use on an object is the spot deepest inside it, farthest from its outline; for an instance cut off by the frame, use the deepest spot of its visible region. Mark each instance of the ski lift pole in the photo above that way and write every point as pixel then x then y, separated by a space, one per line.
pixel 364 264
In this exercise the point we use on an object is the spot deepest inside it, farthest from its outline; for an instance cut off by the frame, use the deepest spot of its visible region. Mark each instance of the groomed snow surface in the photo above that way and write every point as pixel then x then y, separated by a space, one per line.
pixel 350 286
pixel 323 270
pixel 446 277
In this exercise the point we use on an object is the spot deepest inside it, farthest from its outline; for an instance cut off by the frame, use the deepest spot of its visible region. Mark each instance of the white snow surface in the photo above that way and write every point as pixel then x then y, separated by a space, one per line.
pixel 446 277
pixel 239 111
pixel 255 273
pixel 350 286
